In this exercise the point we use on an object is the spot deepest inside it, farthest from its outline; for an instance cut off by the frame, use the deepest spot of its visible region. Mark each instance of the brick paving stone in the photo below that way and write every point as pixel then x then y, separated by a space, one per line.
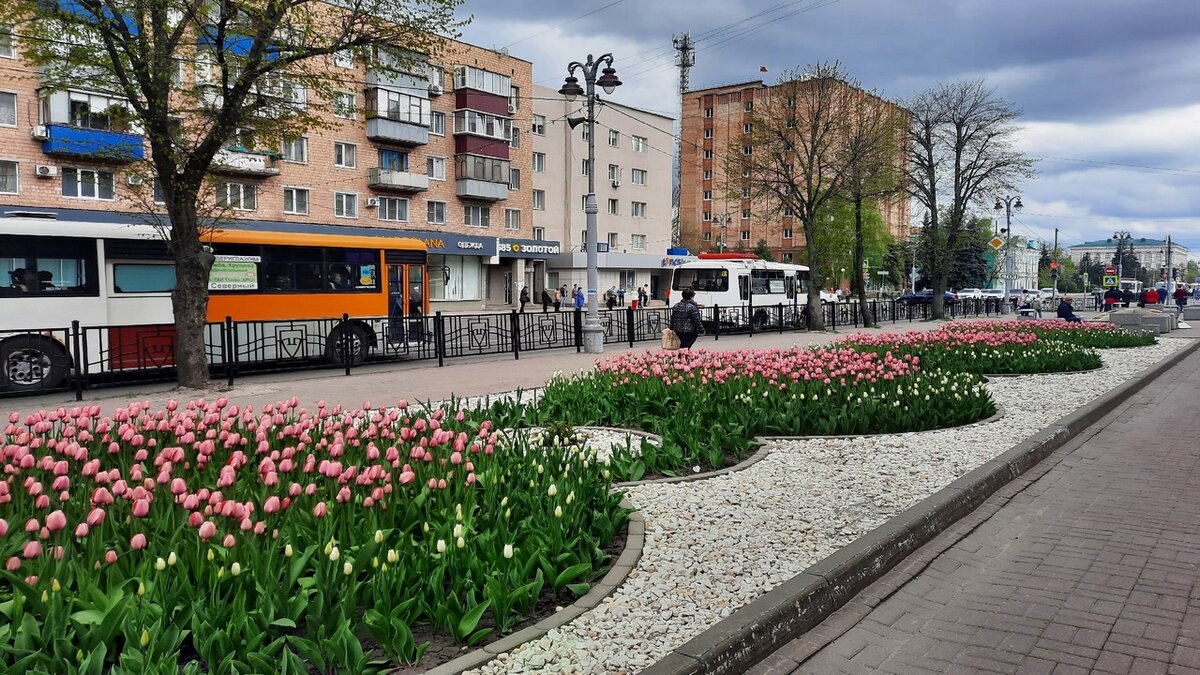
pixel 1090 563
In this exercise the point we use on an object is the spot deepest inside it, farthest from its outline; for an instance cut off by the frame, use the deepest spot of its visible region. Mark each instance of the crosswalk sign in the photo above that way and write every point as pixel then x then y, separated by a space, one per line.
pixel 1110 281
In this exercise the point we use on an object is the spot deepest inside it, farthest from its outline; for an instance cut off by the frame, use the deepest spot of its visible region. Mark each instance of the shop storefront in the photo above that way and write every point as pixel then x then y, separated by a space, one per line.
pixel 523 265
pixel 629 271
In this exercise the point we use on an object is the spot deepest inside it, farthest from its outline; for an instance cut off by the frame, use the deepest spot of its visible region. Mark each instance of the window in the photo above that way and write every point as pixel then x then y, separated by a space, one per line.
pixel 143 278
pixel 746 172
pixel 584 168
pixel 466 77
pixel 749 106
pixel 539 125
pixel 477 216
pixel 539 162
pixel 514 179
pixel 393 208
pixel 614 172
pixel 638 176
pixel 708 112
pixel 787 211
pixel 159 196
pixel 345 205
pixel 747 150
pixel 747 128
pixel 9 178
pixel 345 104
pixel 584 200
pixel 394 105
pixel 8 109
pixel 639 242
pixel 435 167
pixel 295 200
pixel 435 213
pixel 614 138
pixel 705 280
pixel 514 137
pixel 787 257
pixel 707 195
pixel 238 196
pixel 637 209
pixel 291 268
pixel 614 207
pixel 345 155
pixel 393 160
pixel 708 154
pixel 437 123
pixel 708 236
pixel 745 214
pixel 614 240
pixel 514 98
pixel 43 265
pixel 746 192
pixel 708 174
pixel 456 277
pixel 707 216
pixel 787 233
pixel 708 133
pixel 745 235
pixel 7 49
pixel 87 184
pixel 639 144
pixel 296 150
pixel 478 167
pixel 791 102
pixel 539 234
pixel 539 200
pixel 512 219
pixel 586 132
pixel 343 58
pixel 100 113
pixel 583 236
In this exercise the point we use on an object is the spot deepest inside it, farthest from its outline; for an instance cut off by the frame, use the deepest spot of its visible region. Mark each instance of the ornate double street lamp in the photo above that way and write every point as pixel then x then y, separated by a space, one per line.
pixel 593 334
pixel 1121 236
pixel 1008 204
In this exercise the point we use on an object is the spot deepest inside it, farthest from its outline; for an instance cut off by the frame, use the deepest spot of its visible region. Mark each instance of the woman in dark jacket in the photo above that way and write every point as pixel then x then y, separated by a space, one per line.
pixel 686 320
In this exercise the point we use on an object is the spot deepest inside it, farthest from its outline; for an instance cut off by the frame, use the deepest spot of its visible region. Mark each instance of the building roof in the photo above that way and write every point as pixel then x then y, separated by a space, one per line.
pixel 732 85
pixel 1135 241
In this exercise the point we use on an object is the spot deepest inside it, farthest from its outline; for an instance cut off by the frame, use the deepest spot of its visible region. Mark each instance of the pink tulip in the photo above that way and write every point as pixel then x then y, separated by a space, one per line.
pixel 12 564
pixel 95 517
pixel 208 530
pixel 32 525
pixel 320 510
pixel 141 508
pixel 229 541
pixel 138 541
pixel 32 550
pixel 195 519
pixel 3 526
pixel 81 530
pixel 271 505
pixel 110 557
pixel 56 521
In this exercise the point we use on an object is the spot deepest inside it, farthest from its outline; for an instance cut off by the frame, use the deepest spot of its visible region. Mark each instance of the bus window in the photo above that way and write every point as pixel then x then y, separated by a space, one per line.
pixel 702 280
pixel 359 270
pixel 743 287
pixel 766 281
pixel 416 291
pixel 790 285
pixel 60 265
pixel 143 278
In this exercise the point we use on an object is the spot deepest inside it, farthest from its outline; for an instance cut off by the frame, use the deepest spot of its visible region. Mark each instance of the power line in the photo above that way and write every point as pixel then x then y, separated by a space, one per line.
pixel 1144 167
pixel 564 23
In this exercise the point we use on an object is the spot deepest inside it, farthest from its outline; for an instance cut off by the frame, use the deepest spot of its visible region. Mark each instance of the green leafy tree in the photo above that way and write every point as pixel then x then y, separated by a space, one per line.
pixel 763 250
pixel 198 76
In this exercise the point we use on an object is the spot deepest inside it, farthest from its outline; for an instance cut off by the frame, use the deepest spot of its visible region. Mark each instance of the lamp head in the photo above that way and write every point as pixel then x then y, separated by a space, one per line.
pixel 1018 205
pixel 575 121
pixel 571 88
pixel 609 80
pixel 998 206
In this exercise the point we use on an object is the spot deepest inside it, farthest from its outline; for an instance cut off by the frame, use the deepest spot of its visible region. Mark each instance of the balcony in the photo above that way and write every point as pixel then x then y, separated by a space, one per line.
pixel 482 189
pixel 244 163
pixel 401 181
pixel 112 146
pixel 394 131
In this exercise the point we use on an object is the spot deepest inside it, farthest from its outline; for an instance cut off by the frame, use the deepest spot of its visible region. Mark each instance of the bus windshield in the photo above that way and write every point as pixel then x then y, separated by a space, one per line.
pixel 702 280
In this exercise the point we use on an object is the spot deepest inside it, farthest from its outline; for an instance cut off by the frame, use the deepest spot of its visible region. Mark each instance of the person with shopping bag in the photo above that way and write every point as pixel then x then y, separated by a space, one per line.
pixel 686 321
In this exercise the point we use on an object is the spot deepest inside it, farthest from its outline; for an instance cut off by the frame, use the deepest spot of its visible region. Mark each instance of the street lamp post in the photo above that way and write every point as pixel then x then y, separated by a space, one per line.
pixel 593 334
pixel 1120 236
pixel 1008 203
pixel 722 223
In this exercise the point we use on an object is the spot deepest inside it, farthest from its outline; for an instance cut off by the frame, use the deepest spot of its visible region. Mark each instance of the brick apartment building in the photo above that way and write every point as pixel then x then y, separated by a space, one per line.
pixel 713 120
pixel 438 155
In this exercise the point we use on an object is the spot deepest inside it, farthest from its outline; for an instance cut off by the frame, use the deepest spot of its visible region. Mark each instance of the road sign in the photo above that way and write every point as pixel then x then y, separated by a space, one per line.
pixel 996 243
pixel 1110 281
pixel 1110 271
pixel 1053 264
pixel 1009 275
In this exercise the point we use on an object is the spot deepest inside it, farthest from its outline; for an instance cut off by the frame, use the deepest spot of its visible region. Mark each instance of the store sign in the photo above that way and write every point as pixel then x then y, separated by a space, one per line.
pixel 449 244
pixel 528 248
pixel 234 273
pixel 471 245
pixel 671 261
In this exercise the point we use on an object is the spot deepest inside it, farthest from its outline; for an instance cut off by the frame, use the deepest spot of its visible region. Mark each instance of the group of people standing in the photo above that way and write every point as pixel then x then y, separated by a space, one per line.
pixel 1150 296
pixel 576 297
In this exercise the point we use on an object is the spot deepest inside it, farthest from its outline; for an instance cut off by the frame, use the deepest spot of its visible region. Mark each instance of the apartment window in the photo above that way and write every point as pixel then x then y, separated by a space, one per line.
pixel 514 137
pixel 345 205
pixel 393 160
pixel 583 202
pixel 88 184
pixel 539 162
pixel 613 240
pixel 296 150
pixel 539 234
pixel 435 213
pixel 512 219
pixel 637 209
pixel 9 177
pixel 791 102
pixel 614 138
pixel 746 193
pixel 708 133
pixel 393 208
pixel 435 167
pixel 708 236
pixel 437 123
pixel 614 172
pixel 708 174
pixel 477 216
pixel 514 179
pixel 583 237
pixel 745 235
pixel 746 172
pixel 345 155
pixel 747 128
pixel 708 112
pixel 614 207
pixel 749 106
pixel 238 196
pixel 745 214
pixel 747 150
pixel 707 195
pixel 8 109
pixel 640 144
pixel 707 216
pixel 7 48
pixel 638 176
pixel 295 200
pixel 787 233
pixel 159 196
pixel 708 154
pixel 586 132
pixel 787 257
pixel 539 125
pixel 514 98
pixel 539 200
pixel 585 168
pixel 345 104
pixel 467 77
pixel 639 242
pixel 343 58
pixel 787 211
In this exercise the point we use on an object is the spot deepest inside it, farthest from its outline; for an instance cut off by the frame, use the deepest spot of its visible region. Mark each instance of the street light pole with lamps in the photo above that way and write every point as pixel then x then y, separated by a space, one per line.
pixel 1008 203
pixel 593 334
pixel 1120 236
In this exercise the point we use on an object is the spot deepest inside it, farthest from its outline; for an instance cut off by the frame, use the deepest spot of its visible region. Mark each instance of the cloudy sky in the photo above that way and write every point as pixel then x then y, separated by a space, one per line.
pixel 1110 88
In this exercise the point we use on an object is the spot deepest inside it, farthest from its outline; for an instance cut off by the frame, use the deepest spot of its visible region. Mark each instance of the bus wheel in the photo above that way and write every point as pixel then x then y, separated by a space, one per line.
pixel 32 363
pixel 337 343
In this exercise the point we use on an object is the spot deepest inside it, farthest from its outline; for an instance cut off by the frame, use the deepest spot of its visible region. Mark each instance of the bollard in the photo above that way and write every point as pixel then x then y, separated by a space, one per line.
pixel 515 328
pixel 629 327
pixel 78 360
pixel 346 346
pixel 226 339
pixel 439 338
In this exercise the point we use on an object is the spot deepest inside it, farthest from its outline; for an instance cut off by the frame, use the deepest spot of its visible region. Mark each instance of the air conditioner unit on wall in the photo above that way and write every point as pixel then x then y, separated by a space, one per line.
pixel 372 202
pixel 40 133
pixel 616 183
pixel 46 171
pixel 512 108
pixel 436 90
pixel 134 179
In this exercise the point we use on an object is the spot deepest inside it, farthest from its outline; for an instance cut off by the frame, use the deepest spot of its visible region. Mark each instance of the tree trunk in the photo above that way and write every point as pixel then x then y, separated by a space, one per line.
pixel 859 250
pixel 816 314
pixel 937 308
pixel 190 297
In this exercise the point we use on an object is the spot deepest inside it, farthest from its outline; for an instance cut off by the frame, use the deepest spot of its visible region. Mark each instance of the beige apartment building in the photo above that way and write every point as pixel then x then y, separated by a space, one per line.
pixel 714 120
pixel 438 155
pixel 633 179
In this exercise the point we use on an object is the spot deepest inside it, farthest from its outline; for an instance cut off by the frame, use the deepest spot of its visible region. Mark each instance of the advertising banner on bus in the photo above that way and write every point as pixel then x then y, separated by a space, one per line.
pixel 234 273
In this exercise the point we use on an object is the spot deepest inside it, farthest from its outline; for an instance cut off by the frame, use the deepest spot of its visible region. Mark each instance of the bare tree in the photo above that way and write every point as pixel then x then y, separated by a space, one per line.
pixel 792 160
pixel 195 76
pixel 961 151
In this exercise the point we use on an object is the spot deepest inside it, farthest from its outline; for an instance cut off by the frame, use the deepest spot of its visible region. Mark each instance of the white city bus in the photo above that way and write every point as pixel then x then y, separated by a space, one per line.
pixel 736 282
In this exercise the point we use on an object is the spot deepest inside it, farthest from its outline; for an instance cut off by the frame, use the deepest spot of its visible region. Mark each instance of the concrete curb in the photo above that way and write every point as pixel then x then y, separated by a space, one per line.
pixel 801 603
pixel 635 533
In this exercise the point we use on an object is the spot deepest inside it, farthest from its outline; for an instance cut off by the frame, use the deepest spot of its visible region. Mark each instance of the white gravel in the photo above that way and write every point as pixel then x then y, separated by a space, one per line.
pixel 714 545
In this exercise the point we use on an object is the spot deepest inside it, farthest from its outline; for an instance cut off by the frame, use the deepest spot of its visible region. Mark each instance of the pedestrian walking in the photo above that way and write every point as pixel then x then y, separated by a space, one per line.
pixel 524 298
pixel 578 298
pixel 610 298
pixel 1180 298
pixel 621 296
pixel 643 296
pixel 547 300
pixel 686 320
pixel 557 300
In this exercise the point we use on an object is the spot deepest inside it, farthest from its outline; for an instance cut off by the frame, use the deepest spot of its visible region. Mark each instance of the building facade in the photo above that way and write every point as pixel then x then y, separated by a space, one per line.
pixel 1151 253
pixel 437 154
pixel 633 180
pixel 715 120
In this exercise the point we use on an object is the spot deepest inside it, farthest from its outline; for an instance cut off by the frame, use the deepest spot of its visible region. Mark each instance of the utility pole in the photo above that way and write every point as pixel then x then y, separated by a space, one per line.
pixel 1054 272
pixel 685 60
pixel 1170 277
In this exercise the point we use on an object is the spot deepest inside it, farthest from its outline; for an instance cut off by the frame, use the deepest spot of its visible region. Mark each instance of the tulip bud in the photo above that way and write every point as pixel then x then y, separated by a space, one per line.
pixel 553 490
pixel 348 568
pixel 458 529
pixel 334 554
pixel 441 545
pixel 287 551
pixel 235 569
pixel 378 536
pixel 141 590
pixel 211 557
pixel 160 564
pixel 558 512
pixel 145 639
pixel 55 586
pixel 508 551
pixel 172 558
pixel 392 556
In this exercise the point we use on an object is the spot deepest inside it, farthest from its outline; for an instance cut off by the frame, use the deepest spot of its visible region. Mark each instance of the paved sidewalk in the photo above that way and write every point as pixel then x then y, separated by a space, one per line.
pixel 1093 567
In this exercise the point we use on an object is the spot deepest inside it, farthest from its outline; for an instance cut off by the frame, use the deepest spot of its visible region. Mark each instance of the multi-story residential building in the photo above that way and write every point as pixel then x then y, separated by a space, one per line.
pixel 633 182
pixel 437 154
pixel 715 120
pixel 1151 253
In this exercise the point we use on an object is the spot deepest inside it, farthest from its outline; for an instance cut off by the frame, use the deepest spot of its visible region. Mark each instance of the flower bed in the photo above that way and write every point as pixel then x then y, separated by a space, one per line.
pixel 1094 335
pixel 223 540
pixel 708 406
pixel 976 347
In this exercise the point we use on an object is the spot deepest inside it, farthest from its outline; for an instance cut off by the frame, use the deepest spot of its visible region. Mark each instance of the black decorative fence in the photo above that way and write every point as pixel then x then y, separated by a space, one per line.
pixel 84 357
